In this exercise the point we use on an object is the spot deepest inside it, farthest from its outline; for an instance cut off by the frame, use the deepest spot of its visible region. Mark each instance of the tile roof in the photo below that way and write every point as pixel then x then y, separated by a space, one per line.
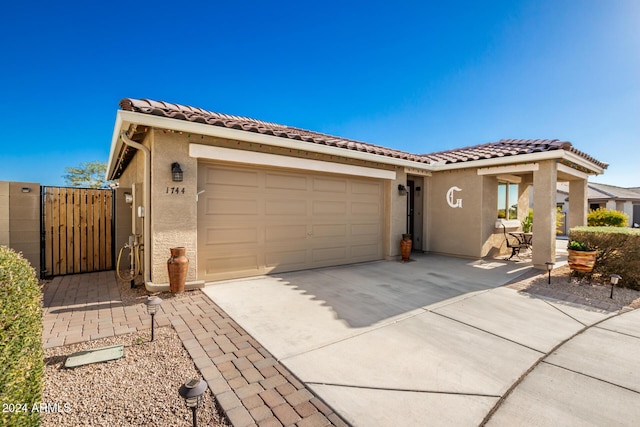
pixel 502 148
pixel 605 191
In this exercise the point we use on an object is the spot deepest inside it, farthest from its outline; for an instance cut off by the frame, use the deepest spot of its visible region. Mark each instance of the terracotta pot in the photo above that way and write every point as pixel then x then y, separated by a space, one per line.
pixel 177 265
pixel 582 261
pixel 405 247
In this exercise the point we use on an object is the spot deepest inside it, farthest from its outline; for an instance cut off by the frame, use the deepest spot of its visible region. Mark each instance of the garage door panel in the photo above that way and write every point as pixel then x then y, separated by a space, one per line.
pixel 285 233
pixel 286 260
pixel 231 206
pixel 324 207
pixel 320 256
pixel 366 251
pixel 328 230
pixel 359 187
pixel 235 235
pixel 254 221
pixel 232 177
pixel 246 263
pixel 276 181
pixel 286 207
pixel 366 230
pixel 329 185
pixel 361 208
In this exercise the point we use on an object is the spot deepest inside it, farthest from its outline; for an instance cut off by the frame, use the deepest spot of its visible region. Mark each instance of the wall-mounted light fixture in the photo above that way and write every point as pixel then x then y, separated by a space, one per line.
pixel 418 189
pixel 25 190
pixel 128 198
pixel 402 190
pixel 176 172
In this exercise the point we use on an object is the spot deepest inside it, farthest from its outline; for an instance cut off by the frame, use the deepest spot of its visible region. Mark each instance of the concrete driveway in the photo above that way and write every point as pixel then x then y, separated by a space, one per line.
pixel 438 342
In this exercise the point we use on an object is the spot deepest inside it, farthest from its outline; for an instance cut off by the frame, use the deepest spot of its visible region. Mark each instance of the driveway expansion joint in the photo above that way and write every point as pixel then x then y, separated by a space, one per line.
pixel 407 390
pixel 519 381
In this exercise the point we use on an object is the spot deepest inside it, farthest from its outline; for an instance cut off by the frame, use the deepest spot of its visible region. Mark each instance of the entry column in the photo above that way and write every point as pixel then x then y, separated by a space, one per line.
pixel 577 203
pixel 544 213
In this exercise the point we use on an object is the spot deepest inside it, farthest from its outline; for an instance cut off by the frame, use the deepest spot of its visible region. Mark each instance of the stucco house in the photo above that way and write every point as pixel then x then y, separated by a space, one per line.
pixel 612 197
pixel 251 197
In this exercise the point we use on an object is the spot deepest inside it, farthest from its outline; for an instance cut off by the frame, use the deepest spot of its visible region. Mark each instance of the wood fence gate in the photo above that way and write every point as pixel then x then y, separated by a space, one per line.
pixel 77 230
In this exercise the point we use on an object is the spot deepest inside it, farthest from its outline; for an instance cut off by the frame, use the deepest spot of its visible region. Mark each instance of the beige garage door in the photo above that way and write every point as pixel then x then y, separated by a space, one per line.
pixel 254 221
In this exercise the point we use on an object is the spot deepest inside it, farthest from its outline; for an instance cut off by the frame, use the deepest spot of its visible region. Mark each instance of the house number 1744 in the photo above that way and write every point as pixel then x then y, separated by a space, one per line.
pixel 175 190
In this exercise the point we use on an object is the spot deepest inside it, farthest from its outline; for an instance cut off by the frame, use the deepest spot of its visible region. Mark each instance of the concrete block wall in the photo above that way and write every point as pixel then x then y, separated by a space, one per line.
pixel 20 219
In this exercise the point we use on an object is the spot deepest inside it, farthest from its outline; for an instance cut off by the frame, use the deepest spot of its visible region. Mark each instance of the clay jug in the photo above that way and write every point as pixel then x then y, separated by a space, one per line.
pixel 405 247
pixel 177 266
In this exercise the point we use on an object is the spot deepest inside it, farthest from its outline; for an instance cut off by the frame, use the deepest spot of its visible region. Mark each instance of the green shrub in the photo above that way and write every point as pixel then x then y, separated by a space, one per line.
pixel 604 217
pixel 21 355
pixel 618 252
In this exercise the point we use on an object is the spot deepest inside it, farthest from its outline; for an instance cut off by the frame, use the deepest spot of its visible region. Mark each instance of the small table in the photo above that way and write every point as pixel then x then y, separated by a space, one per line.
pixel 523 238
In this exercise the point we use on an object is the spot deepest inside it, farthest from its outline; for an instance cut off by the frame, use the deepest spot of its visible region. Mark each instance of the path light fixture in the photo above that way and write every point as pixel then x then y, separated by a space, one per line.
pixel 549 265
pixel 192 392
pixel 152 303
pixel 176 172
pixel 614 281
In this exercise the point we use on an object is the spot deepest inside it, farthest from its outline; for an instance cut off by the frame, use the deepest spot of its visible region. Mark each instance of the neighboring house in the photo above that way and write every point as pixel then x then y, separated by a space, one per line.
pixel 251 197
pixel 611 197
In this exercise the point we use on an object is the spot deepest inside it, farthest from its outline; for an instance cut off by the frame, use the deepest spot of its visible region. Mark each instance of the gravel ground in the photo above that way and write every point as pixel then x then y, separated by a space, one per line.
pixel 591 294
pixel 140 389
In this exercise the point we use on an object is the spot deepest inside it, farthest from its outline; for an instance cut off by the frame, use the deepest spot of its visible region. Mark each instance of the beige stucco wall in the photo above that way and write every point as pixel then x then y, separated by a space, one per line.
pixel 20 219
pixel 174 210
pixel 458 231
pixel 397 213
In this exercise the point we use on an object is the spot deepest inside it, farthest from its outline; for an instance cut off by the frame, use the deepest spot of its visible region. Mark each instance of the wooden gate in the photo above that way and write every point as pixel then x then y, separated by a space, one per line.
pixel 77 230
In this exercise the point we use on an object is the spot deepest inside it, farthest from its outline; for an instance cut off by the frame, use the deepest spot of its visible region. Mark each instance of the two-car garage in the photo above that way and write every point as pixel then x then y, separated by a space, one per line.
pixel 255 220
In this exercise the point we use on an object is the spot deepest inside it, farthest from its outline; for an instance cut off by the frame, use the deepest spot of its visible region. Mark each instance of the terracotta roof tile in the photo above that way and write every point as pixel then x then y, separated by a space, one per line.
pixel 502 148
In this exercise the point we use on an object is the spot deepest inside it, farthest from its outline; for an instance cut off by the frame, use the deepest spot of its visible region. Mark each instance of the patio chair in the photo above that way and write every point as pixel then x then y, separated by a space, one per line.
pixel 513 243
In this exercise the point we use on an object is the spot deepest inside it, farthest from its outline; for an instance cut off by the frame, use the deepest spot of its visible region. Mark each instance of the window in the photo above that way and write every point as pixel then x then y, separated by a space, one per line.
pixel 507 200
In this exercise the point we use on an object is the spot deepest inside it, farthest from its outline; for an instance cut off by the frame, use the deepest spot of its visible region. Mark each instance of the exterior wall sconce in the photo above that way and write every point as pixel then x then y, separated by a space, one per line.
pixel 25 190
pixel 176 172
pixel 402 190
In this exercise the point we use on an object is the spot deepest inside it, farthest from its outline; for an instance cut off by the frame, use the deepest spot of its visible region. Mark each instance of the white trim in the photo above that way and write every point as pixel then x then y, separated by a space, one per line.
pixel 572 172
pixel 265 159
pixel 512 179
pixel 499 170
pixel 418 172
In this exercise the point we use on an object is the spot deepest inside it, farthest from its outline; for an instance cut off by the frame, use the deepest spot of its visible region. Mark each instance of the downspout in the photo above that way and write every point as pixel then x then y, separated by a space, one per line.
pixel 147 204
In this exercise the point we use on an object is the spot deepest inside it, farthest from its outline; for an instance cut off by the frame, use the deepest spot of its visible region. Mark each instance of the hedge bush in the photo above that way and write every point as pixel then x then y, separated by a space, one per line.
pixel 21 355
pixel 618 252
pixel 603 217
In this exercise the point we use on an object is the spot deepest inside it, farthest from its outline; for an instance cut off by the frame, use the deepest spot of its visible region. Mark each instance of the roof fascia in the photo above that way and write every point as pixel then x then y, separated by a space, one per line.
pixel 258 138
pixel 522 158
pixel 115 146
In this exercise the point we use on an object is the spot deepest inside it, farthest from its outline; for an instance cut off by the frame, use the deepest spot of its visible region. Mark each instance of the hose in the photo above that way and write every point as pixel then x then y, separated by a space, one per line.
pixel 135 258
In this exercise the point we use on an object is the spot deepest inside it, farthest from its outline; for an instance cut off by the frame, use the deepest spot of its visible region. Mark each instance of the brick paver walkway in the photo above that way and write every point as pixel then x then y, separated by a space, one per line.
pixel 251 387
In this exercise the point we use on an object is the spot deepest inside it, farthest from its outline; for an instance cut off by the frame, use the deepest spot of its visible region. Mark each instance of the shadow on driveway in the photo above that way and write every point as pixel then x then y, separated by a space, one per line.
pixel 363 295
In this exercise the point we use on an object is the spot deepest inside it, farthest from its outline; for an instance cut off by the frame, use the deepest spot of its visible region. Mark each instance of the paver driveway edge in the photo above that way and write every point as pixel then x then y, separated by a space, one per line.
pixel 515 385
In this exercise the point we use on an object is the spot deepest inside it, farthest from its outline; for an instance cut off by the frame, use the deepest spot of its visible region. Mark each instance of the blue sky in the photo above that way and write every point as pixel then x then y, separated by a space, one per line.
pixel 419 76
